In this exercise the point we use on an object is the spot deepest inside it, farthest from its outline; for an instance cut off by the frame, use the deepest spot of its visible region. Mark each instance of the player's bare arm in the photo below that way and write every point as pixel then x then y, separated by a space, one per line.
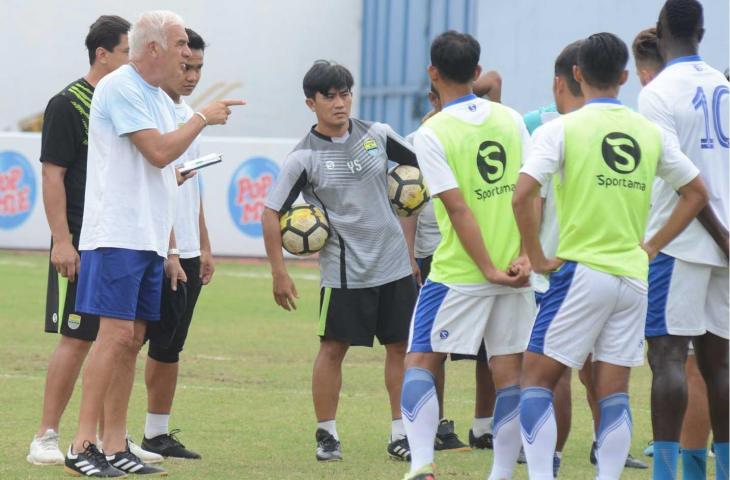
pixel 717 231
pixel 162 149
pixel 470 236
pixel 489 85
pixel 409 226
pixel 692 198
pixel 207 264
pixel 173 268
pixel 528 221
pixel 64 256
pixel 285 292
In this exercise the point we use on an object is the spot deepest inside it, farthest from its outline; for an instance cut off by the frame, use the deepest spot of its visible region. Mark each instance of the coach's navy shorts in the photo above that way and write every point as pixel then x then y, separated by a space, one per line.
pixel 120 283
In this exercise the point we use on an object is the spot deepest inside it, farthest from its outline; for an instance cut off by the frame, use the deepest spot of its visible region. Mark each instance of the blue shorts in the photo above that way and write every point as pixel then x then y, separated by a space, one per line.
pixel 120 283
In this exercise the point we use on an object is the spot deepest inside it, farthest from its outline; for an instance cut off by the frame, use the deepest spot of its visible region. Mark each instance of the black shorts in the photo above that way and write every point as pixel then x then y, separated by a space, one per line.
pixel 481 355
pixel 167 337
pixel 357 315
pixel 61 315
pixel 424 264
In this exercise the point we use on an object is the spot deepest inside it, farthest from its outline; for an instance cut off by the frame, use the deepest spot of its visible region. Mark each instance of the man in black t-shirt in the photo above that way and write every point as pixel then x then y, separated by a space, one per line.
pixel 63 154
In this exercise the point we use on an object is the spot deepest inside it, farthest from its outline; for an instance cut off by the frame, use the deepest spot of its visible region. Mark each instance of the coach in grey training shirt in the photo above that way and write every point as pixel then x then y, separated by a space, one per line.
pixel 368 289
pixel 346 178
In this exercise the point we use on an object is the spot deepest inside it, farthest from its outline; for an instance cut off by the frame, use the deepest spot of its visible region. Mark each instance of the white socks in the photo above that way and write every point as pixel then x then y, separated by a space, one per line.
pixel 481 426
pixel 330 426
pixel 156 424
pixel 397 430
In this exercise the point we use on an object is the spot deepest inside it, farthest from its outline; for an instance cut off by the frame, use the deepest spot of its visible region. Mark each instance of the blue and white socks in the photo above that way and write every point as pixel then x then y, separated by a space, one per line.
pixel 507 441
pixel 614 436
pixel 420 410
pixel 539 431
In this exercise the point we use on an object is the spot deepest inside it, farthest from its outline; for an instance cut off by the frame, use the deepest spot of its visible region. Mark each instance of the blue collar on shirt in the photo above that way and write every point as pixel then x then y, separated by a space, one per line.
pixel 688 58
pixel 465 98
pixel 604 100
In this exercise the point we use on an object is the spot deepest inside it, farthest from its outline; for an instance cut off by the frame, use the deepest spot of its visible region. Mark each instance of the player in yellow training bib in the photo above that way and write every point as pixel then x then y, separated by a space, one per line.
pixel 603 159
pixel 470 155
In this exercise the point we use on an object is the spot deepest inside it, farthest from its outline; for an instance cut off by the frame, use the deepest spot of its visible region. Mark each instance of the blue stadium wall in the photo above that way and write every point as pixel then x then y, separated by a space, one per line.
pixel 519 38
pixel 396 35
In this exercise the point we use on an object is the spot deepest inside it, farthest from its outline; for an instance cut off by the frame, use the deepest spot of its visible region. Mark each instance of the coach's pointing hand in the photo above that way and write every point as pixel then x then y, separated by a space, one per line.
pixel 216 113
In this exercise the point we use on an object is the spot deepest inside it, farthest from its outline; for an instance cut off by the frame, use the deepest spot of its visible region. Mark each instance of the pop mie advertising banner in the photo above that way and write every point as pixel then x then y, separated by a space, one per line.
pixel 234 191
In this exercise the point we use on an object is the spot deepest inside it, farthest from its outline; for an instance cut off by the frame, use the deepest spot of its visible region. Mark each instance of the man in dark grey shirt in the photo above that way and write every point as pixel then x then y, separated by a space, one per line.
pixel 366 271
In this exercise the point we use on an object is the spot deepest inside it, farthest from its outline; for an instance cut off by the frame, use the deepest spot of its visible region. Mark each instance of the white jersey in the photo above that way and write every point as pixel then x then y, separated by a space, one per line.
pixel 689 100
pixel 187 218
pixel 428 236
pixel 130 203
pixel 549 226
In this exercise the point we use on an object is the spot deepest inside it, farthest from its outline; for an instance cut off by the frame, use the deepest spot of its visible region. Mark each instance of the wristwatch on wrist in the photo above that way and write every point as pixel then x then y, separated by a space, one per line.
pixel 173 251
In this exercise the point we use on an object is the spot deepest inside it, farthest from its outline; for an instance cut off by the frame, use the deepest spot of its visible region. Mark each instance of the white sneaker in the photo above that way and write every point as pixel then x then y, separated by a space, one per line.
pixel 44 450
pixel 144 455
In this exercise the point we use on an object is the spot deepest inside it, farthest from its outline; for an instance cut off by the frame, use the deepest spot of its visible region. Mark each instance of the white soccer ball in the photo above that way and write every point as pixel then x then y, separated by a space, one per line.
pixel 304 229
pixel 407 191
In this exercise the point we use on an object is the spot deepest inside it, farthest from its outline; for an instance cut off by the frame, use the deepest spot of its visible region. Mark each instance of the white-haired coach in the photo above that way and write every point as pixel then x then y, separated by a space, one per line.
pixel 126 230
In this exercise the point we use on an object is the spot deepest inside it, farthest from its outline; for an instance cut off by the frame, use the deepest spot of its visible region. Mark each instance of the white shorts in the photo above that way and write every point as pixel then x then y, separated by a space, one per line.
pixel 687 299
pixel 586 311
pixel 448 321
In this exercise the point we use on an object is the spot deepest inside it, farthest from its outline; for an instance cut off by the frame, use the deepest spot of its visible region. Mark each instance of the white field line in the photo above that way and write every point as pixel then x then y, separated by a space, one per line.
pixel 17 263
pixel 264 275
pixel 257 275
pixel 213 358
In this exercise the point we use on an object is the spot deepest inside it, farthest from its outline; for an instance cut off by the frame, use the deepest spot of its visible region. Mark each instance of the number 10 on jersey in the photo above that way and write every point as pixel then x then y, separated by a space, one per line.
pixel 700 101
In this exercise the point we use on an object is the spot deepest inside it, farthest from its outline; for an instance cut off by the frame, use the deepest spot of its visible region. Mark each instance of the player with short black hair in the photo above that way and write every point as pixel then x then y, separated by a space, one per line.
pixel 602 159
pixel 688 280
pixel 564 63
pixel 64 146
pixel 325 75
pixel 105 33
pixel 477 292
pixel 368 289
pixel 602 58
pixel 167 337
pixel 455 55
pixel 195 41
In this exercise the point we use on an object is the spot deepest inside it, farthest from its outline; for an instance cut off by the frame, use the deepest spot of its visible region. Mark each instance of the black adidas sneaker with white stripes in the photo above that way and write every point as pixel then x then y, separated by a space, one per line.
pixel 130 463
pixel 399 450
pixel 90 463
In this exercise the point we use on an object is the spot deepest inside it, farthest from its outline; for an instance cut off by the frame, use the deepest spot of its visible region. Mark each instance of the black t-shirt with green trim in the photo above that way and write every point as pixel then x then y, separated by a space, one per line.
pixel 65 143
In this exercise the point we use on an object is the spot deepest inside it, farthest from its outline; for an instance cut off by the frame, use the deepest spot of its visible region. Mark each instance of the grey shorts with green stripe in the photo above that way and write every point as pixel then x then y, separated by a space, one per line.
pixel 357 315
pixel 61 316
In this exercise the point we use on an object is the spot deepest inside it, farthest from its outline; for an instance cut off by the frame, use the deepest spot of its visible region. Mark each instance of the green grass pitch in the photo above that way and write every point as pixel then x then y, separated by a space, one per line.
pixel 244 399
